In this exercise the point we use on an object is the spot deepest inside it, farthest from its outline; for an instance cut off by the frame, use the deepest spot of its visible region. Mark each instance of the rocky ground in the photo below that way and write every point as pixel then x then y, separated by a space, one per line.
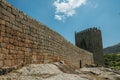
pixel 58 71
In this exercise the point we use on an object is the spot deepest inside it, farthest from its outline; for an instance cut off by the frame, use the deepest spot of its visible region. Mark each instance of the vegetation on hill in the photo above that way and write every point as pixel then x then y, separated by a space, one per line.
pixel 112 60
pixel 112 49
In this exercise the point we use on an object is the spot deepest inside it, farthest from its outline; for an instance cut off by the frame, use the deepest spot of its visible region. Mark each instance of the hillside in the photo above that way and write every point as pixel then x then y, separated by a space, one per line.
pixel 112 56
pixel 112 49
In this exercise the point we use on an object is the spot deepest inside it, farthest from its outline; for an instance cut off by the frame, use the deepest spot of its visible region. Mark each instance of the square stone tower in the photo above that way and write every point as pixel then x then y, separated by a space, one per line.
pixel 91 40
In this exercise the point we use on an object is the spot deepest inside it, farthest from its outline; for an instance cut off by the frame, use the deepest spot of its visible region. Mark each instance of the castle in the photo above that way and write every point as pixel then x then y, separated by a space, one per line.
pixel 91 40
pixel 24 40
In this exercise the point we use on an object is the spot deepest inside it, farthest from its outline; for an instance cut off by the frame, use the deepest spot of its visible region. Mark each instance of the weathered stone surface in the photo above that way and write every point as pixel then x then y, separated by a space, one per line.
pixel 59 71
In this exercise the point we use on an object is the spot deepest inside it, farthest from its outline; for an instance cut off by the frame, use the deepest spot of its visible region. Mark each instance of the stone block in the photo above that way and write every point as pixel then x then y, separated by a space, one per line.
pixel 12 63
pixel 4 10
pixel 11 16
pixel 1 39
pixel 2 22
pixel 6 18
pixel 3 27
pixel 4 51
pixel 2 4
pixel 1 16
pixel 14 57
pixel 15 12
pixel 11 51
pixel 2 56
pixel 20 61
pixel 3 45
pixel 6 40
pixel 20 56
pixel 16 62
pixel 9 9
pixel 0 50
pixel 12 47
pixel 1 64
pixel 3 34
pixel 8 26
pixel 9 57
pixel 22 53
pixel 7 63
pixel 11 41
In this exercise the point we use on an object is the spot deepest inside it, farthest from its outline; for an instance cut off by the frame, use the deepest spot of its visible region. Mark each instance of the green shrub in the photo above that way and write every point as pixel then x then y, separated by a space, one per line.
pixel 112 60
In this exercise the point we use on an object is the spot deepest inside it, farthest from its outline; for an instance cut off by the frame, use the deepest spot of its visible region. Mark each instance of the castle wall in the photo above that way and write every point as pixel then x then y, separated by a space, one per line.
pixel 91 40
pixel 24 40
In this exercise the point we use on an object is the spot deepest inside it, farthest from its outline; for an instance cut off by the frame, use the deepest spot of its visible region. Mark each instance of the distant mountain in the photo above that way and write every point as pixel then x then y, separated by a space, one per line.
pixel 112 49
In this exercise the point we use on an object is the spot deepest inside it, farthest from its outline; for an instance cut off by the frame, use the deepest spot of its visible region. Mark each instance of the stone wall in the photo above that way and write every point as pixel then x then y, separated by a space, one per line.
pixel 91 40
pixel 24 40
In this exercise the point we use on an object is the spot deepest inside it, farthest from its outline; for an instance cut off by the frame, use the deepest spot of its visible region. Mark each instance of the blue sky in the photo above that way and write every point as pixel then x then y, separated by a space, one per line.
pixel 68 16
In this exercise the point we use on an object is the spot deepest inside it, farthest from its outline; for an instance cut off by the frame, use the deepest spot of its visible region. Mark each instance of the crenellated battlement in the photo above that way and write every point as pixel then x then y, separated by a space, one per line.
pixel 94 29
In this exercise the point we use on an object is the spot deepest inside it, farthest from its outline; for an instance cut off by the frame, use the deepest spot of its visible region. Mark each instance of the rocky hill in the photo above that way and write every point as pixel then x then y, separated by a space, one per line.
pixel 59 71
pixel 112 49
